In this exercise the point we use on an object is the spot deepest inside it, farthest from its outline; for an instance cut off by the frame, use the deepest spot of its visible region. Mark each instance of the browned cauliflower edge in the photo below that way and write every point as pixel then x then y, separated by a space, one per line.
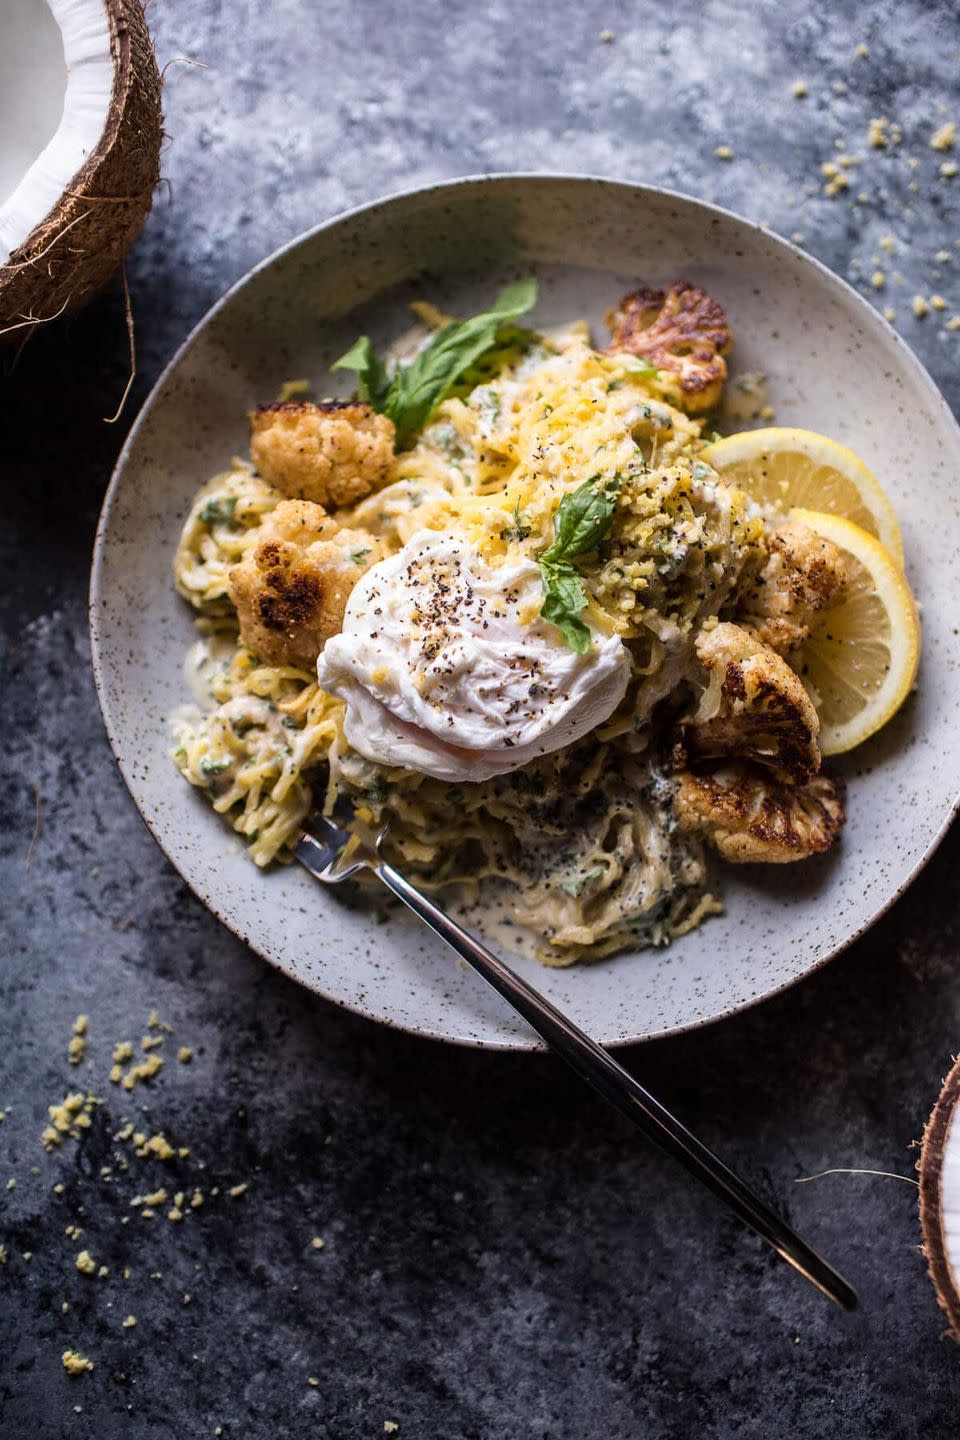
pixel 748 816
pixel 803 575
pixel 754 707
pixel 333 454
pixel 684 333
pixel 291 590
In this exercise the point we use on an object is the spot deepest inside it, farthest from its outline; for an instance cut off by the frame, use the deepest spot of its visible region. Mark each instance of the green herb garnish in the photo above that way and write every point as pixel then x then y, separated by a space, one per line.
pixel 210 767
pixel 220 511
pixel 520 528
pixel 358 556
pixel 581 523
pixel 413 392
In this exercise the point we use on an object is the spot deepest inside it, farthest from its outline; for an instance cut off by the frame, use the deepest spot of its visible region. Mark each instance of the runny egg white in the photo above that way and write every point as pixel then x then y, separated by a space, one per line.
pixel 446 667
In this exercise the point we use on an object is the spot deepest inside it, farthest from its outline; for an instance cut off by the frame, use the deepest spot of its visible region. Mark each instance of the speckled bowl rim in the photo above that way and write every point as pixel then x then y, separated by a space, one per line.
pixel 872 321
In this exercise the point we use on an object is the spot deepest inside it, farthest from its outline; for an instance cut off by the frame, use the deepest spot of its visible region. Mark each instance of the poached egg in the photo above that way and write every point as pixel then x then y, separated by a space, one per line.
pixel 446 667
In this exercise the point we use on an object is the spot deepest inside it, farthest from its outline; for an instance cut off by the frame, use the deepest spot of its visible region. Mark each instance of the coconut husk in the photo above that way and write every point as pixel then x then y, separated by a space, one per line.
pixel 80 245
pixel 930 1166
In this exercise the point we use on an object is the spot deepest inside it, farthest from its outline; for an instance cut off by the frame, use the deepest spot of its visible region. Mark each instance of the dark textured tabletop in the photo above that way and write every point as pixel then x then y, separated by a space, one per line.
pixel 502 1257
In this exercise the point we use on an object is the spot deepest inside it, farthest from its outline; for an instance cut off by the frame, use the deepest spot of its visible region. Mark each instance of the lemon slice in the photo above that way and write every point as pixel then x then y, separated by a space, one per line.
pixel 861 658
pixel 782 468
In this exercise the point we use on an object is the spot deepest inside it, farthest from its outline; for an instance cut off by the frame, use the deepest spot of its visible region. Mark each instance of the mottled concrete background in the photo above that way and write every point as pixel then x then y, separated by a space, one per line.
pixel 503 1258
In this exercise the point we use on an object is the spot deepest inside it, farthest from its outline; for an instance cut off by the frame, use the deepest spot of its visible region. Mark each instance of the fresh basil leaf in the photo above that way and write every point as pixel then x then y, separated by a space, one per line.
pixel 373 381
pixel 563 599
pixel 417 389
pixel 582 520
pixel 414 391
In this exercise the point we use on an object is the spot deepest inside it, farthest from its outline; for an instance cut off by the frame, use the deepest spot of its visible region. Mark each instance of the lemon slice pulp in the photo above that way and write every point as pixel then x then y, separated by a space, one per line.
pixel 782 468
pixel 861 658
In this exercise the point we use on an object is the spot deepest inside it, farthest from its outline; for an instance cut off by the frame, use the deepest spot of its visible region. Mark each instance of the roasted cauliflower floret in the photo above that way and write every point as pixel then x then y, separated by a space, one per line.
pixel 291 590
pixel 753 708
pixel 803 574
pixel 749 816
pixel 333 454
pixel 684 333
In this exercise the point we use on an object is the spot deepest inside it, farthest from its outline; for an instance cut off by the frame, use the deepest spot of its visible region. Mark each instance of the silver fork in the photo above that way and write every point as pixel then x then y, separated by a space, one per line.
pixel 333 854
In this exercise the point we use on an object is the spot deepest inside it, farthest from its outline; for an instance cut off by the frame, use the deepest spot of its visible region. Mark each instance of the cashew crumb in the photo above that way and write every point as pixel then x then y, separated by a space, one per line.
pixel 129 1323
pixel 919 306
pixel 862 51
pixel 318 1242
pixel 948 169
pixel 938 302
pixel 85 1263
pixel 945 138
pixel 236 1191
pixel 122 1052
pixel 185 1054
pixel 607 37
pixel 312 1380
pixel 144 1071
pixel 74 1363
pixel 954 322
pixel 391 1427
pixel 723 152
pixel 798 90
pixel 878 279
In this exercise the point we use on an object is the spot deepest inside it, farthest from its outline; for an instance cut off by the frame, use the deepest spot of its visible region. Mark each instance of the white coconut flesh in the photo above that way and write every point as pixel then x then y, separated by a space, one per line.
pixel 56 79
pixel 940 1197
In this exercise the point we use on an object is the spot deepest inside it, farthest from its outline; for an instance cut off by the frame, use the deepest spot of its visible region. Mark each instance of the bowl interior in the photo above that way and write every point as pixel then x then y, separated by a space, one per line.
pixel 833 366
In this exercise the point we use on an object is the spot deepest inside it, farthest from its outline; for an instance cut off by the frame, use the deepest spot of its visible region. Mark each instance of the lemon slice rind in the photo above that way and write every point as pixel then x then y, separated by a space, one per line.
pixel 832 478
pixel 862 656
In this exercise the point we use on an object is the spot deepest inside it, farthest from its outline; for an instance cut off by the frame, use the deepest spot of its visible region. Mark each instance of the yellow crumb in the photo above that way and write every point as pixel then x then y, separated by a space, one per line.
pixel 103 1272
pixel 129 1323
pixel 798 90
pixel 919 306
pixel 312 1380
pixel 150 1042
pixel 877 133
pixel 158 1146
pixel 157 1198
pixel 606 37
pixel 175 1215
pixel 954 322
pixel 878 279
pixel 185 1054
pixel 948 169
pixel 85 1263
pixel 938 302
pixel 236 1191
pixel 838 183
pixel 144 1071
pixel 80 1024
pixel 196 1200
pixel 318 1242
pixel 945 138
pixel 122 1052
pixel 723 152
pixel 943 257
pixel 12 1183
pixel 862 51
pixel 829 169
pixel 887 243
pixel 74 1363
pixel 76 1049
pixel 391 1427
pixel 155 1023
pixel 58 1188
pixel 3 1254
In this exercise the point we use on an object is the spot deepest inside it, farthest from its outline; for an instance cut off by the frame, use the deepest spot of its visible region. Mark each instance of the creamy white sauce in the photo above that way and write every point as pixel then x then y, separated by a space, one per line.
pixel 446 667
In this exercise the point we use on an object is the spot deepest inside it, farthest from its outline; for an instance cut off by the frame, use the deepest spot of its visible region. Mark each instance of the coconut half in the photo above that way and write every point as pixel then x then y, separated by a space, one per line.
pixel 80 132
pixel 940 1197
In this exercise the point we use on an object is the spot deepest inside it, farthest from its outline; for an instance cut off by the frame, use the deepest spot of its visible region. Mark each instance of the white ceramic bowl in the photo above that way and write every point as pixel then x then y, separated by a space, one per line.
pixel 834 366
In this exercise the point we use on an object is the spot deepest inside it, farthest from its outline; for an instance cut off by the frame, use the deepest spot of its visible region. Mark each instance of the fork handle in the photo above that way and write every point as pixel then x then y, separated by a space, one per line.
pixel 598 1067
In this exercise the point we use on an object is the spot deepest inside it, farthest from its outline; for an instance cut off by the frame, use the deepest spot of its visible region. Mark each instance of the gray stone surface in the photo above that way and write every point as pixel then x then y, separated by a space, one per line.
pixel 503 1258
